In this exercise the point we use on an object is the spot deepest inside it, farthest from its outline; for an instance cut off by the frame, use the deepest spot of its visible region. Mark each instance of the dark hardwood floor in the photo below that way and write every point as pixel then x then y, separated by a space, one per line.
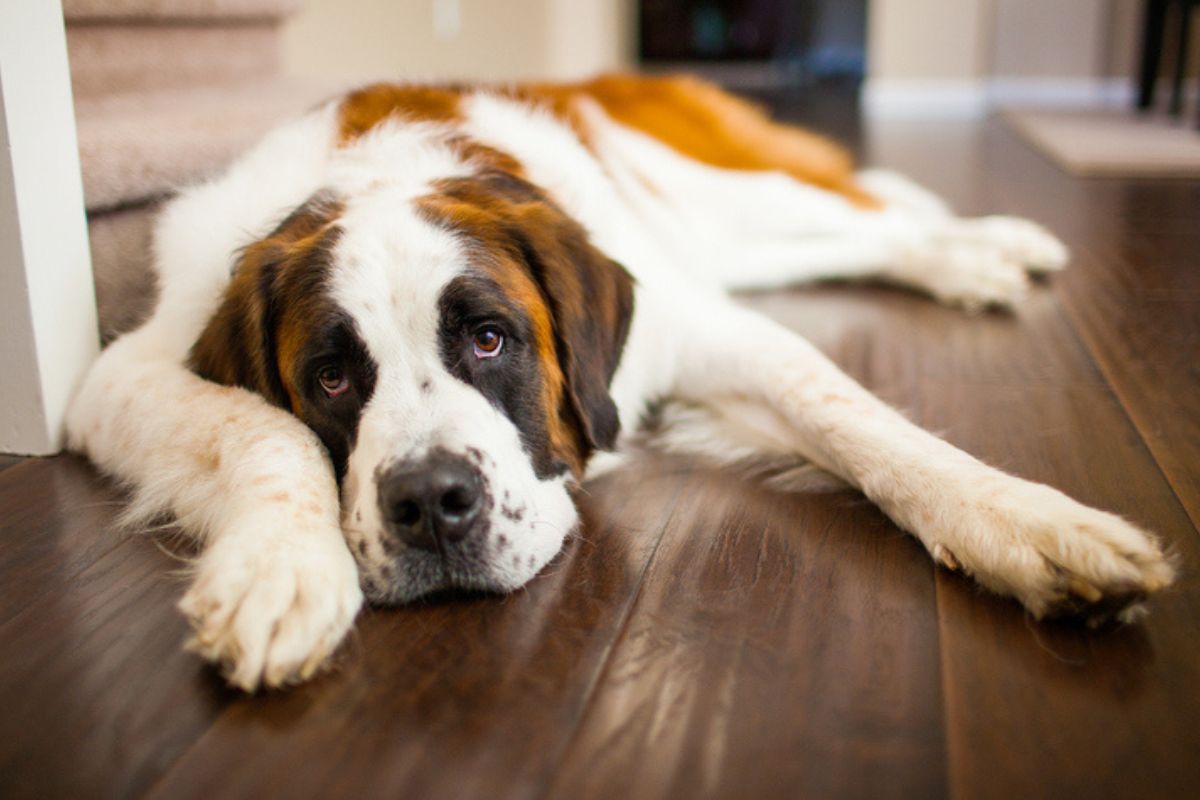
pixel 704 637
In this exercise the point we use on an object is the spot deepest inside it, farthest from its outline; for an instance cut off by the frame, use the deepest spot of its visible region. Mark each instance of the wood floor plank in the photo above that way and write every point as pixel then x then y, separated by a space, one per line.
pixel 55 511
pixel 1132 291
pixel 465 697
pixel 1147 342
pixel 794 632
pixel 622 748
pixel 1051 710
pixel 97 694
pixel 7 461
pixel 1037 710
pixel 1055 710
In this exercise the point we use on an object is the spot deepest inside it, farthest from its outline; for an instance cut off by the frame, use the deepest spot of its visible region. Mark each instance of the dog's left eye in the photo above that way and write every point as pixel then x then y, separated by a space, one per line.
pixel 488 342
pixel 333 381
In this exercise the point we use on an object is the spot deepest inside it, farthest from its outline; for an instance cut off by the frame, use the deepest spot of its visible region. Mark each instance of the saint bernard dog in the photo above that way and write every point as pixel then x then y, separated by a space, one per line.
pixel 394 337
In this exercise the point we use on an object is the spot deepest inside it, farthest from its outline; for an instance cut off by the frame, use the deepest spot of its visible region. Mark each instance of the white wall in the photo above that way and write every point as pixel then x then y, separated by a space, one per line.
pixel 477 40
pixel 928 39
pixel 1057 39
pixel 964 56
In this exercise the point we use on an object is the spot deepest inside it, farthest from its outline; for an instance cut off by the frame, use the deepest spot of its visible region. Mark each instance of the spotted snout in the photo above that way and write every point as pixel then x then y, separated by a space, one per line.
pixel 436 503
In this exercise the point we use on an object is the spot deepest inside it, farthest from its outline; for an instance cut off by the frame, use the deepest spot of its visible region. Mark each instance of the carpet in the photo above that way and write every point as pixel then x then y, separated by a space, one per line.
pixel 1109 142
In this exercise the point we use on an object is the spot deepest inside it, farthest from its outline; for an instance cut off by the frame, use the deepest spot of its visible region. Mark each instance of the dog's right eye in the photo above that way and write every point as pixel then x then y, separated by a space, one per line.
pixel 333 380
pixel 488 342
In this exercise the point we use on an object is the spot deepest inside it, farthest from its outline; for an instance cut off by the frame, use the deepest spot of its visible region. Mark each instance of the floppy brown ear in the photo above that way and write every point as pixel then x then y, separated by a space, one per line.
pixel 591 303
pixel 239 346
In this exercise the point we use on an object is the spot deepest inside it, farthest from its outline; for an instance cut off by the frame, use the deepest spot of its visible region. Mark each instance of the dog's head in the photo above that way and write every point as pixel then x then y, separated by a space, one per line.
pixel 453 350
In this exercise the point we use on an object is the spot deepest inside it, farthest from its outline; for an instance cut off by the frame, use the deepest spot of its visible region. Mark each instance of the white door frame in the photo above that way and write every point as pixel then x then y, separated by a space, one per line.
pixel 48 329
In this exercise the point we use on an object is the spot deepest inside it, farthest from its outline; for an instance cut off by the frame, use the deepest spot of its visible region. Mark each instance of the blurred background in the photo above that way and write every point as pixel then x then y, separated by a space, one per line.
pixel 798 645
pixel 166 92
pixel 914 54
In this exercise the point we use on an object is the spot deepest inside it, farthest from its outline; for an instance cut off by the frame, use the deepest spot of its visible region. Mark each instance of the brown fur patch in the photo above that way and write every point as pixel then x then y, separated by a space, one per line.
pixel 362 110
pixel 486 218
pixel 482 157
pixel 279 325
pixel 693 117
pixel 253 338
pixel 577 301
pixel 709 125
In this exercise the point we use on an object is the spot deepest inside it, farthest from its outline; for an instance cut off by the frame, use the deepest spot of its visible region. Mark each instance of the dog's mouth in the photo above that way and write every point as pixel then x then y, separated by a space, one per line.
pixel 412 575
pixel 483 568
pixel 446 594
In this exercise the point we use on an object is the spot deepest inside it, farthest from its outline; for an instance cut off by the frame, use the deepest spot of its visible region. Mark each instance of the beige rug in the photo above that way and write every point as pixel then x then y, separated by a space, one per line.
pixel 1112 142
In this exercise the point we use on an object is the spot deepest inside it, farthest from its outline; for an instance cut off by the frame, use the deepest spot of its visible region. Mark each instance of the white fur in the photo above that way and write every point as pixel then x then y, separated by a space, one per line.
pixel 277 587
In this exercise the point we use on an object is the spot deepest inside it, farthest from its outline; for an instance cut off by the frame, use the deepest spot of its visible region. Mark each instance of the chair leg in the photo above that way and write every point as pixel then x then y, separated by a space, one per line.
pixel 1153 26
pixel 1184 30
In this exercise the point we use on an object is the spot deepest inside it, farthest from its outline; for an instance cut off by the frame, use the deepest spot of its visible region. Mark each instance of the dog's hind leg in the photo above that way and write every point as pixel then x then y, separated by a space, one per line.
pixel 966 262
pixel 969 263
pixel 1014 536
pixel 275 589
pixel 759 229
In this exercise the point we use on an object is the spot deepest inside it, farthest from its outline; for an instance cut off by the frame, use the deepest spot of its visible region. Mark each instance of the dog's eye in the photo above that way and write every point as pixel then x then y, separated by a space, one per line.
pixel 333 380
pixel 488 343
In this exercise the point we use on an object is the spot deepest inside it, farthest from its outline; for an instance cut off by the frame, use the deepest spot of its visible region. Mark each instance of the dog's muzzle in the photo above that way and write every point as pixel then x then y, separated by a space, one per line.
pixel 433 504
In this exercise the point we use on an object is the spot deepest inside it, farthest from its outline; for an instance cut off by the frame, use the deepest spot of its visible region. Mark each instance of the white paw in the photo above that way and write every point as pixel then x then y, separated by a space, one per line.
pixel 271 610
pixel 1021 241
pixel 964 272
pixel 1057 556
pixel 977 263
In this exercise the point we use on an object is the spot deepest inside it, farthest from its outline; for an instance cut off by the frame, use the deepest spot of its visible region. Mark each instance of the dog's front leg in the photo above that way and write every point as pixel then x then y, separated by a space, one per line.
pixel 275 588
pixel 1014 536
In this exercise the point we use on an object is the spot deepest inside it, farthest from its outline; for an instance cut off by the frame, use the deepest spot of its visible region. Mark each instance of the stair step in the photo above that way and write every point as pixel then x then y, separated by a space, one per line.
pixel 121 267
pixel 114 58
pixel 139 146
pixel 178 10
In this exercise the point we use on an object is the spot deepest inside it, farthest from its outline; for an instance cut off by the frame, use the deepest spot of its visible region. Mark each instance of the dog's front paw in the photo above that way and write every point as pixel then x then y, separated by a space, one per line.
pixel 271 611
pixel 1058 557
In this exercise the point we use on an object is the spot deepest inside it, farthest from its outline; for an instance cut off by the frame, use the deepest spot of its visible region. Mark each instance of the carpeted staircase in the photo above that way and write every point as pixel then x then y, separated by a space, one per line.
pixel 167 92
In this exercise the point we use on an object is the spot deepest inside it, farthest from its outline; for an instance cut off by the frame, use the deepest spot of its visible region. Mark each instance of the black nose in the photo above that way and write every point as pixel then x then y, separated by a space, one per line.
pixel 433 502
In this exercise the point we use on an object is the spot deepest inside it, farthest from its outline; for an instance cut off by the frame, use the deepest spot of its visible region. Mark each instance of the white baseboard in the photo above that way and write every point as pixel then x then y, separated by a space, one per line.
pixel 1060 92
pixel 923 98
pixel 941 98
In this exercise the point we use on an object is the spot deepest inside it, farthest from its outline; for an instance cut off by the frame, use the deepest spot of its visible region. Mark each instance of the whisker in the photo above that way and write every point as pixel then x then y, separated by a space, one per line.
pixel 190 562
